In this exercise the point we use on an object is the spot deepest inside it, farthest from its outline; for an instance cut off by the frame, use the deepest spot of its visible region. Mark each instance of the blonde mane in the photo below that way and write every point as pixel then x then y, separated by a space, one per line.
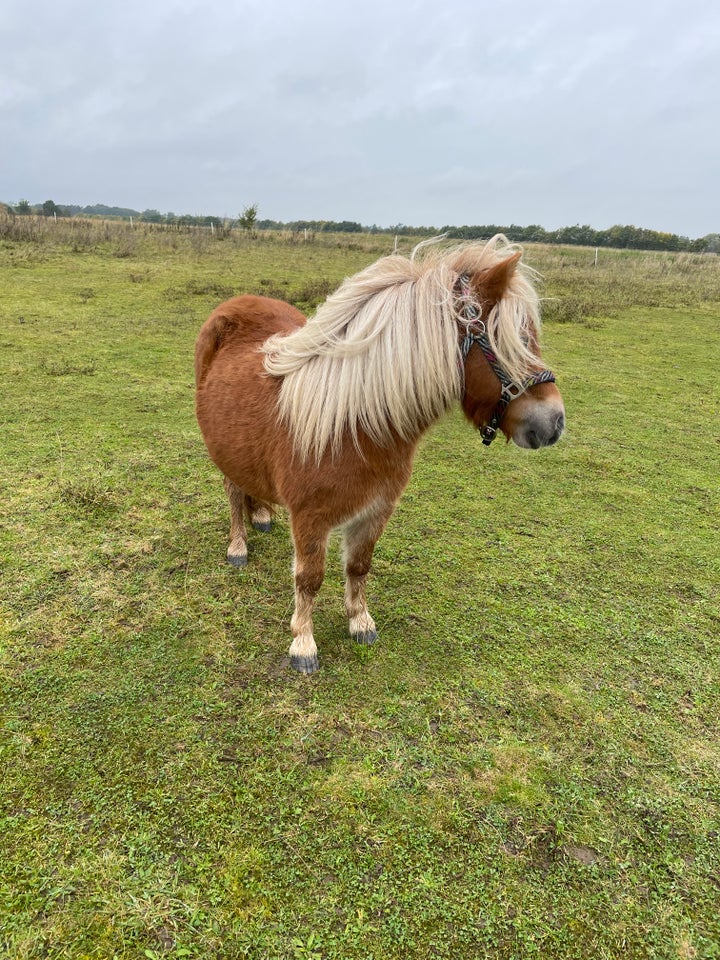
pixel 382 354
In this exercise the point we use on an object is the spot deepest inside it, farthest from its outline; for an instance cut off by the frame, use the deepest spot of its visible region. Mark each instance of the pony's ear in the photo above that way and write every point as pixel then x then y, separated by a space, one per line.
pixel 492 283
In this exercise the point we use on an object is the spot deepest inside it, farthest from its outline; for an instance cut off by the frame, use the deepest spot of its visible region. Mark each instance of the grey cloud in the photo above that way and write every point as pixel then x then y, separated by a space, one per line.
pixel 462 113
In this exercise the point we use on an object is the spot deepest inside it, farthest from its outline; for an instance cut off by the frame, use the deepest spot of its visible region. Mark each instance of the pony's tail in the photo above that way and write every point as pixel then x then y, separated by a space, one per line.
pixel 210 338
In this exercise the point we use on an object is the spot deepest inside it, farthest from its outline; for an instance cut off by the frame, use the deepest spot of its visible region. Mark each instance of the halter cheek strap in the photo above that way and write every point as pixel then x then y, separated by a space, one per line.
pixel 476 333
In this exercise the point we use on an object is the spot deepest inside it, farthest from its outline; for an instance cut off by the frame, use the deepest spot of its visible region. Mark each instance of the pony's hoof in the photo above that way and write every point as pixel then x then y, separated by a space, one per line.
pixel 305 665
pixel 237 559
pixel 365 637
pixel 264 526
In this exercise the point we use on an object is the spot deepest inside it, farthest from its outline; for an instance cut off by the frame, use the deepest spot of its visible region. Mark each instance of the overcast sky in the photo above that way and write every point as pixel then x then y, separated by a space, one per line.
pixel 383 111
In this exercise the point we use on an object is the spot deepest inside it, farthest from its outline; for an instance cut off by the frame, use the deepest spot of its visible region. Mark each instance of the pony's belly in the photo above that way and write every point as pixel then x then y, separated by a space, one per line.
pixel 240 465
pixel 240 451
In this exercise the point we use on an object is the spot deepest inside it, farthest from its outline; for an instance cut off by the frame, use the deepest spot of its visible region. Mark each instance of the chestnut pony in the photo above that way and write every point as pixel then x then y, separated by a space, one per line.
pixel 324 416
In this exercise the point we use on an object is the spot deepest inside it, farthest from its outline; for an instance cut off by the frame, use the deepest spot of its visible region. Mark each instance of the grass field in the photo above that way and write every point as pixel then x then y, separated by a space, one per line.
pixel 525 765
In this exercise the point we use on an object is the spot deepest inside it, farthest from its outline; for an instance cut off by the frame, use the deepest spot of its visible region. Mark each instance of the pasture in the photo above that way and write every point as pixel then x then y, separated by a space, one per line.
pixel 526 764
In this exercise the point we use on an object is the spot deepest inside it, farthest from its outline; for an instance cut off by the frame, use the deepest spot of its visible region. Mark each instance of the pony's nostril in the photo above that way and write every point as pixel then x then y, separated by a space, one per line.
pixel 560 424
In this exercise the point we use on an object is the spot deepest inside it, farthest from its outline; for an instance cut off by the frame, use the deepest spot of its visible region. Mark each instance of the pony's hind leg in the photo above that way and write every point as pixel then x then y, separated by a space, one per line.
pixel 260 514
pixel 309 568
pixel 237 549
pixel 359 538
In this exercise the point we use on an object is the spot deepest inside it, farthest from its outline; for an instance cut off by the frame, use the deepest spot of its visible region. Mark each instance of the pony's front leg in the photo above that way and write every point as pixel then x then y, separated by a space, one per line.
pixel 359 538
pixel 310 550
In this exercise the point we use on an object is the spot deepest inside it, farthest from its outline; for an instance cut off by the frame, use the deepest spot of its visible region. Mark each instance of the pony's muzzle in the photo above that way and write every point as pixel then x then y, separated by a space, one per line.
pixel 541 424
pixel 541 433
pixel 545 436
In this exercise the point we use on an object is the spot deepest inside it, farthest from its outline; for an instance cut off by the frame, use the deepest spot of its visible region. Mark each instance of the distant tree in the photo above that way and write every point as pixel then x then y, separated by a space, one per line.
pixel 344 226
pixel 151 216
pixel 23 208
pixel 248 218
pixel 51 209
pixel 102 210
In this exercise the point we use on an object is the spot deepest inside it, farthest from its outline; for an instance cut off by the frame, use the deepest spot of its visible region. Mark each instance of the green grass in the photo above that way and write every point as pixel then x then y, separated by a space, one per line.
pixel 527 764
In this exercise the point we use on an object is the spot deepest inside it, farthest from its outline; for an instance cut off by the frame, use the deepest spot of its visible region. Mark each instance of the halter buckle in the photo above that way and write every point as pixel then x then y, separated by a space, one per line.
pixel 487 433
pixel 513 390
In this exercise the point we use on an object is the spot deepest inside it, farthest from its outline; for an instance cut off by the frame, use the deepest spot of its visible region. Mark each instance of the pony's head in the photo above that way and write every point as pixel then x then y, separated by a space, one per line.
pixel 506 384
pixel 403 340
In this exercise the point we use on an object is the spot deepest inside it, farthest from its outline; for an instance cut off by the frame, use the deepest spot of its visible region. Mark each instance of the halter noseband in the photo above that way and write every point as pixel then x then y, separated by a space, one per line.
pixel 475 332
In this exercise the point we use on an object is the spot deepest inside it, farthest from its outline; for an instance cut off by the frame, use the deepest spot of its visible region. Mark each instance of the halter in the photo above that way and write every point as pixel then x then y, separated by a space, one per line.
pixel 475 332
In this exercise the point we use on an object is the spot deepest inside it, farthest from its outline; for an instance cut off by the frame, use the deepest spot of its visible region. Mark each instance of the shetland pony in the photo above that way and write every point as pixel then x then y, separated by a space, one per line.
pixel 324 415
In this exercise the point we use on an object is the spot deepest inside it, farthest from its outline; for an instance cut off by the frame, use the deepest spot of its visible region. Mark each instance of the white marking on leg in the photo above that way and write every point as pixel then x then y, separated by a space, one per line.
pixel 303 649
pixel 262 516
pixel 360 534
pixel 237 549
pixel 359 619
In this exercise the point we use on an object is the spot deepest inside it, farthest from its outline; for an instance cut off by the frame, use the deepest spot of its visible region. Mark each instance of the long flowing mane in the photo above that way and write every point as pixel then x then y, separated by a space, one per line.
pixel 382 354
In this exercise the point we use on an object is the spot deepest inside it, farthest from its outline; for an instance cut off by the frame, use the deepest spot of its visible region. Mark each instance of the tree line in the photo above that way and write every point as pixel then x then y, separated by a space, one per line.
pixel 618 236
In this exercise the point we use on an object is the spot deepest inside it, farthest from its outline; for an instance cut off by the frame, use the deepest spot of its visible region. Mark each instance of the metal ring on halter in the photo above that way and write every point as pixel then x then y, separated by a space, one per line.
pixel 477 327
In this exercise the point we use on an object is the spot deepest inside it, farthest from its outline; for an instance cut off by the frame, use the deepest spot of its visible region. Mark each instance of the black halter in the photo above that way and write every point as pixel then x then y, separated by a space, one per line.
pixel 475 332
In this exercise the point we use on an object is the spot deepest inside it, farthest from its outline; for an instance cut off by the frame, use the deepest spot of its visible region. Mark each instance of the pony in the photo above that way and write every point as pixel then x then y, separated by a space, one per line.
pixel 324 415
